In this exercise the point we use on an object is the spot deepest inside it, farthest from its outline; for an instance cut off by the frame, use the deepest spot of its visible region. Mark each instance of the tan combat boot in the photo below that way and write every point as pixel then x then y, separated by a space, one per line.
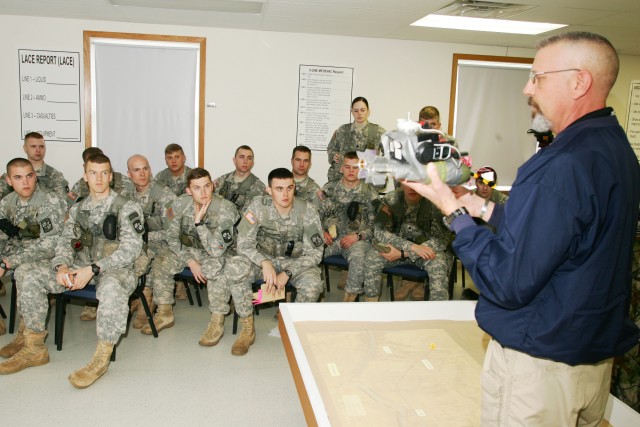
pixel 3 327
pixel 371 299
pixel 83 378
pixel 89 312
pixel 163 319
pixel 33 353
pixel 349 297
pixel 405 288
pixel 418 293
pixel 343 279
pixel 16 345
pixel 214 331
pixel 141 316
pixel 246 338
pixel 181 291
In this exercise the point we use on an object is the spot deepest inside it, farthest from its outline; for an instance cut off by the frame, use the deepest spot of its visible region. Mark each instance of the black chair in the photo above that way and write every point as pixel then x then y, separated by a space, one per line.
pixel 186 276
pixel 2 313
pixel 333 261
pixel 13 304
pixel 255 286
pixel 88 294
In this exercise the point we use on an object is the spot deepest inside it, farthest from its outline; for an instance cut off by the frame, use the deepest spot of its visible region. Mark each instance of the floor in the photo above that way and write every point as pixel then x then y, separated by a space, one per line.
pixel 164 381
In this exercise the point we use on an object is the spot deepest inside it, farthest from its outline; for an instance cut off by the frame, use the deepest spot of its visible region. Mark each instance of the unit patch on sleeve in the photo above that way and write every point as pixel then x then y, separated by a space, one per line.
pixel 226 236
pixel 46 225
pixel 317 240
pixel 135 221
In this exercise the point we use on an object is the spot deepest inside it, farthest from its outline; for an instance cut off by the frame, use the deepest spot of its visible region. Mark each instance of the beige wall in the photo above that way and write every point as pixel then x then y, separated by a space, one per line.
pixel 253 78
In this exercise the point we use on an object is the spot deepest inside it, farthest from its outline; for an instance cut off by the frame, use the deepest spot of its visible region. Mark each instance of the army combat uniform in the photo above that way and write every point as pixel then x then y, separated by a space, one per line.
pixel 84 241
pixel 352 211
pixel 240 193
pixel 28 233
pixel 155 202
pixel 120 184
pixel 401 225
pixel 48 178
pixel 176 184
pixel 349 138
pixel 207 244
pixel 293 243
pixel 306 189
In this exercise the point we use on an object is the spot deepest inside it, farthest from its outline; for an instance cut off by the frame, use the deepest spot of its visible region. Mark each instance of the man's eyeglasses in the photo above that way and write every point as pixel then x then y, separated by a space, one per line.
pixel 532 75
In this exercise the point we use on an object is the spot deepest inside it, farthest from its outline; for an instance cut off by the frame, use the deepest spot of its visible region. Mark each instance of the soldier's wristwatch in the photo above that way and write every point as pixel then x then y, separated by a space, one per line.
pixel 3 265
pixel 198 224
pixel 95 268
pixel 288 273
pixel 453 215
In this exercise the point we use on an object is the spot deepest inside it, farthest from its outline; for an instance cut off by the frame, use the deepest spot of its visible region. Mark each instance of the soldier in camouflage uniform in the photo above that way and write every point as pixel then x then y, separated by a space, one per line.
pixel 410 227
pixel 155 201
pixel 100 241
pixel 357 136
pixel 200 232
pixel 306 187
pixel 486 182
pixel 119 183
pixel 31 218
pixel 175 175
pixel 282 237
pixel 48 177
pixel 348 208
pixel 240 186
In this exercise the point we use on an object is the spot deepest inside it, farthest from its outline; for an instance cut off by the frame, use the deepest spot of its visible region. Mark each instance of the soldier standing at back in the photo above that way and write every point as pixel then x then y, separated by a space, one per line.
pixel 48 177
pixel 155 200
pixel 348 207
pixel 282 237
pixel 306 187
pixel 411 230
pixel 240 186
pixel 31 218
pixel 100 241
pixel 175 175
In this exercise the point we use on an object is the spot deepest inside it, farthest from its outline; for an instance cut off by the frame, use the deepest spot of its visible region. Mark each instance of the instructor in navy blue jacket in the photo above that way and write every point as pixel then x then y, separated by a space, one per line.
pixel 555 279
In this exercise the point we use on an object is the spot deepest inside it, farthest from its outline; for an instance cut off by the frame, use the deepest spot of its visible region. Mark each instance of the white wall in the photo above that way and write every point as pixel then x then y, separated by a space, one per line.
pixel 253 78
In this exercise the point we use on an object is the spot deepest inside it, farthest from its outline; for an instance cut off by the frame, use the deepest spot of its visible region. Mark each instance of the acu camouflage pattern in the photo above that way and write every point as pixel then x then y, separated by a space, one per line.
pixel 156 202
pixel 348 138
pixel 306 189
pixel 333 211
pixel 207 245
pixel 41 219
pixel 625 379
pixel 48 178
pixel 116 281
pixel 264 234
pixel 176 185
pixel 239 193
pixel 120 184
pixel 401 225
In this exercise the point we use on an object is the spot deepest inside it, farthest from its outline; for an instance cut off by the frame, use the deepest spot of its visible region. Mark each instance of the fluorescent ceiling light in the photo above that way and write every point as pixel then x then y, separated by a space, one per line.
pixel 483 24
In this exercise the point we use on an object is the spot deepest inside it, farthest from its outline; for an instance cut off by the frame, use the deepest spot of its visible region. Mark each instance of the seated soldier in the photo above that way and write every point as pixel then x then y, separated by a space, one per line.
pixel 282 237
pixel 306 187
pixel 348 208
pixel 120 183
pixel 155 201
pixel 100 242
pixel 175 175
pixel 486 182
pixel 200 232
pixel 48 177
pixel 240 186
pixel 409 229
pixel 31 219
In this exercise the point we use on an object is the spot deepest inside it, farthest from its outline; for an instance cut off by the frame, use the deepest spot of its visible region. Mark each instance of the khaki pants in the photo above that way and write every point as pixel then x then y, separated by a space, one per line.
pixel 521 390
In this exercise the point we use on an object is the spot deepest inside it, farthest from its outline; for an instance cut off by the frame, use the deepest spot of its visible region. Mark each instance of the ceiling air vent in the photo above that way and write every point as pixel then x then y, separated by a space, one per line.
pixel 482 9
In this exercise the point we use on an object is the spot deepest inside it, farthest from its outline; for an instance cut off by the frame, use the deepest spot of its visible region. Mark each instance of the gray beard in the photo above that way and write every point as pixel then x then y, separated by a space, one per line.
pixel 540 123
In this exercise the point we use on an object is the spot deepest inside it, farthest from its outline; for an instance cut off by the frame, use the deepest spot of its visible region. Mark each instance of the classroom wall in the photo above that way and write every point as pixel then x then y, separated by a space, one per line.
pixel 252 76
